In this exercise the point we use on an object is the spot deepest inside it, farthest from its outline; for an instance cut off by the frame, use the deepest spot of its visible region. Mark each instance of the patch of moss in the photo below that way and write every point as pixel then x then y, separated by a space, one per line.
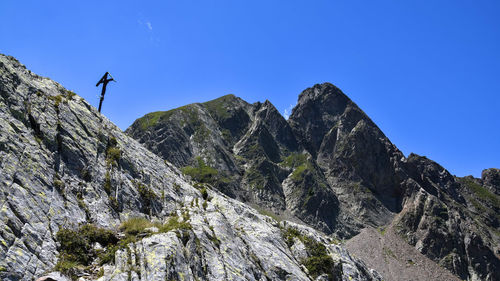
pixel 218 108
pixel 69 94
pixel 56 99
pixel 294 160
pixel 318 261
pixel 298 173
pixel 204 193
pixel 151 119
pixel 299 163
pixel 482 192
pixel 201 172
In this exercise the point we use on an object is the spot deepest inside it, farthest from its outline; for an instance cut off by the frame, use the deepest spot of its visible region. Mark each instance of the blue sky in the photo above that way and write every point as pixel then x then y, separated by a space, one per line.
pixel 427 72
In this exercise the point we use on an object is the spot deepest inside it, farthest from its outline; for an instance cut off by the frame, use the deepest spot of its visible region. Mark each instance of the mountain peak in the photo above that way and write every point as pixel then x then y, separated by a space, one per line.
pixel 326 93
pixel 318 109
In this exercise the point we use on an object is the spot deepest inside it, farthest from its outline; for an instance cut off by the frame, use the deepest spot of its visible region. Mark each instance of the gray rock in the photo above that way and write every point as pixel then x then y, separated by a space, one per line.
pixel 62 164
pixel 491 179
pixel 330 167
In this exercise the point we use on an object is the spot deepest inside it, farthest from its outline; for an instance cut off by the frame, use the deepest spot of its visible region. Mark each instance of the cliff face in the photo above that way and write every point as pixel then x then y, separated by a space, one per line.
pixel 80 196
pixel 330 167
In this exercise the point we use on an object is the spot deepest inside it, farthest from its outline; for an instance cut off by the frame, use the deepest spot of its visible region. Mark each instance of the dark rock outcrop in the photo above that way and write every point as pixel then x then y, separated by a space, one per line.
pixel 330 167
pixel 491 179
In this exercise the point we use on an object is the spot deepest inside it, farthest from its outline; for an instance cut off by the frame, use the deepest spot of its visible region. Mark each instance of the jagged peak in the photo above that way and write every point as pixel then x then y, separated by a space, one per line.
pixel 323 91
pixel 319 102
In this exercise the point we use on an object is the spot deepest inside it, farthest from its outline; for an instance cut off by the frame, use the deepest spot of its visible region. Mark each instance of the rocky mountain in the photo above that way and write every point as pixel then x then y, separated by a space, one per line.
pixel 80 199
pixel 330 167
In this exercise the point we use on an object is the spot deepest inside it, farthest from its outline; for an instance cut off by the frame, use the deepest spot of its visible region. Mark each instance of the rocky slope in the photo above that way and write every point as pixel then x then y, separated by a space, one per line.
pixel 79 196
pixel 330 167
pixel 394 258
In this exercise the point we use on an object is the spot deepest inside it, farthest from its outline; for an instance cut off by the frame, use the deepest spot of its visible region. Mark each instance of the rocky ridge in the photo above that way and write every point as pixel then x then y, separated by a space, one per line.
pixel 80 196
pixel 330 167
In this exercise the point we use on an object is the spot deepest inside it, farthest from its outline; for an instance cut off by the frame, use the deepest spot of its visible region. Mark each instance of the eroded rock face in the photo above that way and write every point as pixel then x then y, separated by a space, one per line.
pixel 247 144
pixel 62 165
pixel 491 179
pixel 358 160
pixel 330 167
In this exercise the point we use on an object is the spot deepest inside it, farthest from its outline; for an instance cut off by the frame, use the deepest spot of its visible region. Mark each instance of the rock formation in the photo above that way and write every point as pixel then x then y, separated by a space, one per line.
pixel 330 167
pixel 80 197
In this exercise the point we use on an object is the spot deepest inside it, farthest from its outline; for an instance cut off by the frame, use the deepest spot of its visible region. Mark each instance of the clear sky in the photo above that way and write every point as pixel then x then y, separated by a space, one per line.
pixel 427 72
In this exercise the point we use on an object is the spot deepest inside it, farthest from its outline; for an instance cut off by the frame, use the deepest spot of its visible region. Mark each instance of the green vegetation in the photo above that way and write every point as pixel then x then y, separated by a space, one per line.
pixel 174 224
pixel 226 135
pixel 190 117
pixel 151 119
pixel 309 196
pixel 268 213
pixel 147 195
pixel 204 174
pixel 100 273
pixel 294 160
pixel 212 237
pixel 201 134
pixel 318 262
pixel 107 183
pixel 255 178
pixel 479 207
pixel 299 163
pixel 76 249
pixel 204 193
pixel 381 230
pixel 69 94
pixel 56 99
pixel 76 246
pixel 219 107
pixel 113 155
pixel 298 173
pixel 58 183
pixel 482 192
pixel 135 226
pixel 113 152
pixel 2 269
pixel 86 175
